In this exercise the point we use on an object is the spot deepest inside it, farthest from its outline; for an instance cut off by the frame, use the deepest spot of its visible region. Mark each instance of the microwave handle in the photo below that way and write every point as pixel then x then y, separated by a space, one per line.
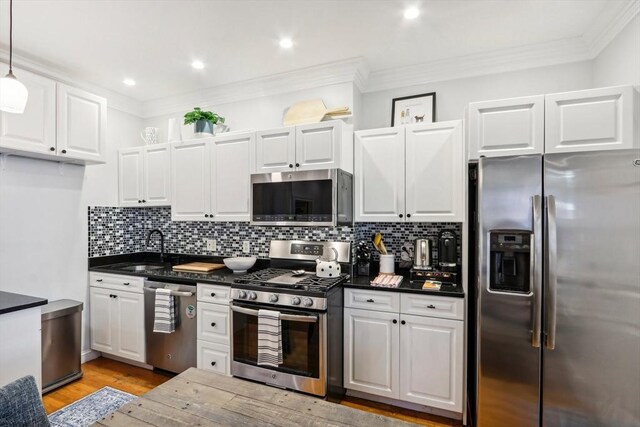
pixel 288 317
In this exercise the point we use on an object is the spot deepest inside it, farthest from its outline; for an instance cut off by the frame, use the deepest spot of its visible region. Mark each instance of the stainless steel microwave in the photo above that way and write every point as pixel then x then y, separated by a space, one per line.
pixel 305 198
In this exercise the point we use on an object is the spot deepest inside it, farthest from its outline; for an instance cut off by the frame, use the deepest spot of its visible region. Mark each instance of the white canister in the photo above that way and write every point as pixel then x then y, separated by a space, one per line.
pixel 174 133
pixel 387 264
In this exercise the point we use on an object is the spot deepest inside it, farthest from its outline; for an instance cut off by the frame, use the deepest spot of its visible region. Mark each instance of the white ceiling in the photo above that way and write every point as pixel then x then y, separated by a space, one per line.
pixel 154 42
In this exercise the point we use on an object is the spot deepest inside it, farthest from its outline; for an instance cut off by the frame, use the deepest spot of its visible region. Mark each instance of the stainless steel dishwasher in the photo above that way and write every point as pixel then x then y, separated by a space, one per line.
pixel 174 352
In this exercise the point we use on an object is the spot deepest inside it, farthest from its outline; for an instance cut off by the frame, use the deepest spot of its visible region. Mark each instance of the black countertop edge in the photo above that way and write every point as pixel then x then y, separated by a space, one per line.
pixel 446 290
pixel 10 302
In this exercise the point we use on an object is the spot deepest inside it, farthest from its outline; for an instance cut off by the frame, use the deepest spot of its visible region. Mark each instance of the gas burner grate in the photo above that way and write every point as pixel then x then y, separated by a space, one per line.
pixel 311 282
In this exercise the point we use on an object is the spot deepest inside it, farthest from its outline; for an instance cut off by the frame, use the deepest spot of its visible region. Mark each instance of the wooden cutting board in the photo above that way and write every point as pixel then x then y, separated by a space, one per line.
pixel 312 111
pixel 198 267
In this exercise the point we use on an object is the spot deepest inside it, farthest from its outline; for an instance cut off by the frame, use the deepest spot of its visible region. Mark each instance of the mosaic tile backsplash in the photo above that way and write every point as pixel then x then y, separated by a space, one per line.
pixel 114 230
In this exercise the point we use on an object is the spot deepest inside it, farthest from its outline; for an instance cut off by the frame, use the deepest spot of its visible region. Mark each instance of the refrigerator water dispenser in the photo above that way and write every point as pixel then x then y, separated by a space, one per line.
pixel 510 261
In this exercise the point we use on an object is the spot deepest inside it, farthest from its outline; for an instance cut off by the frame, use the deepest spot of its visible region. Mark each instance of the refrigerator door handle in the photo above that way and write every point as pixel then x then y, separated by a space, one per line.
pixel 551 258
pixel 535 271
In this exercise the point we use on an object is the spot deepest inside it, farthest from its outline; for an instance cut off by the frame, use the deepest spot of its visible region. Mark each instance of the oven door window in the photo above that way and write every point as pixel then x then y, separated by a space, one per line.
pixel 300 342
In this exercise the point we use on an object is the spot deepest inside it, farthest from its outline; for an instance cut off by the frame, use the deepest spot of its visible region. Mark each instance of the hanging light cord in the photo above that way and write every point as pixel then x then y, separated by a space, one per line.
pixel 10 36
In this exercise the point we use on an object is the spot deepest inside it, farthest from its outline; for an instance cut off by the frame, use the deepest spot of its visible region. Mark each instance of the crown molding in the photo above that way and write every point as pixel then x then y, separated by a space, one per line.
pixel 114 99
pixel 352 70
pixel 603 31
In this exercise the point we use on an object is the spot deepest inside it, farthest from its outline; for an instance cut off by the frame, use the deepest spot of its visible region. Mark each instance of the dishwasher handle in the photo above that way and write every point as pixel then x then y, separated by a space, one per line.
pixel 173 293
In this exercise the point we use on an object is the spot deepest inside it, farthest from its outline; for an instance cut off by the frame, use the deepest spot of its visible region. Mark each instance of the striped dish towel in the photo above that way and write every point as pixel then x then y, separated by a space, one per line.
pixel 165 312
pixel 269 338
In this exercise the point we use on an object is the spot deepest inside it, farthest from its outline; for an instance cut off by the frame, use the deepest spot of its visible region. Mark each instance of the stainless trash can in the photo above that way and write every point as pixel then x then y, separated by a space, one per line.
pixel 61 343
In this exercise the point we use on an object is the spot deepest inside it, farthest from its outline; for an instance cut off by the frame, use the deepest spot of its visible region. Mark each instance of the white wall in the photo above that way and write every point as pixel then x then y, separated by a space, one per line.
pixel 453 96
pixel 619 62
pixel 43 218
pixel 262 112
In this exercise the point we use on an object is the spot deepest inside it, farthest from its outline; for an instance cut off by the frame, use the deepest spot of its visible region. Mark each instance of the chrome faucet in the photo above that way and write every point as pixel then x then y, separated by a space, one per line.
pixel 161 242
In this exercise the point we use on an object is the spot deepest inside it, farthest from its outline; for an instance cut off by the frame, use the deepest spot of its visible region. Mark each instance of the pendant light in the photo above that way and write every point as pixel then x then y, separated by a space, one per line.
pixel 13 94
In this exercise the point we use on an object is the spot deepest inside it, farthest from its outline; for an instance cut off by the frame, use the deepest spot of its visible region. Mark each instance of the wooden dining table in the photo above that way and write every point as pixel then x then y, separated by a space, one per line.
pixel 202 398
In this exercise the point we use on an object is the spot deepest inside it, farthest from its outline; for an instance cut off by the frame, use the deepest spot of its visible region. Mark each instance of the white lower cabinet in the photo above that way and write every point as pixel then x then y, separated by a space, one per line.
pixel 416 359
pixel 214 330
pixel 117 322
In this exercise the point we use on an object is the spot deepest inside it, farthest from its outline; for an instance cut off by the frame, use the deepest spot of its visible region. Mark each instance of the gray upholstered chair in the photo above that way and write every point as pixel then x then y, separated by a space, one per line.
pixel 20 404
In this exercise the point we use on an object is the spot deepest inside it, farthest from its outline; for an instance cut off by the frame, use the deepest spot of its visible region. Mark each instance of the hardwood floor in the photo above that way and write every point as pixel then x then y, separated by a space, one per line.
pixel 103 372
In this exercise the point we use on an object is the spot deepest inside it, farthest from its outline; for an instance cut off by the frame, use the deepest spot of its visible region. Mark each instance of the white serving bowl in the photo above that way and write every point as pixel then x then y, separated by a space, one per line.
pixel 240 264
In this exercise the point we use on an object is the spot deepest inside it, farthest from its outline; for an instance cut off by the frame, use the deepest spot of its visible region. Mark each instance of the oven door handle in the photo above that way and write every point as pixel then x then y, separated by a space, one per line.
pixel 288 317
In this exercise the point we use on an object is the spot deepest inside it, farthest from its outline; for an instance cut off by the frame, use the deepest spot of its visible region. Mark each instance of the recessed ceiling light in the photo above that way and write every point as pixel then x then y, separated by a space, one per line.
pixel 286 43
pixel 129 82
pixel 198 65
pixel 411 13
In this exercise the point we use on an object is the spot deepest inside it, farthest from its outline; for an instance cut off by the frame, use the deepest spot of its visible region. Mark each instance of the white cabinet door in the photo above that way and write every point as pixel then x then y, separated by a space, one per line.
pixel 276 150
pixel 318 145
pixel 213 357
pixel 190 180
pixel 129 325
pixel 435 172
pixel 431 362
pixel 506 127
pixel 33 131
pixel 82 125
pixel 593 119
pixel 213 323
pixel 130 177
pixel 371 352
pixel 379 175
pixel 102 320
pixel 232 160
pixel 157 175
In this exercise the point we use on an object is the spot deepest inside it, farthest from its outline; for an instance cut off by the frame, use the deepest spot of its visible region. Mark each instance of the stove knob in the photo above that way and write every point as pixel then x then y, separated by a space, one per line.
pixel 308 302
pixel 242 294
pixel 273 298
pixel 295 301
pixel 253 295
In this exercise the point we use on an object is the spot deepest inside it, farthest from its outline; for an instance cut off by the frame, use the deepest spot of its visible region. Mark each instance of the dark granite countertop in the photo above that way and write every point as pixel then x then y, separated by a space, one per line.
pixel 10 302
pixel 446 290
pixel 114 265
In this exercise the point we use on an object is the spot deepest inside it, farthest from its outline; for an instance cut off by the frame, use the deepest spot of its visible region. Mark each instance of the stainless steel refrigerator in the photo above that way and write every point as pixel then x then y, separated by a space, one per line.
pixel 558 297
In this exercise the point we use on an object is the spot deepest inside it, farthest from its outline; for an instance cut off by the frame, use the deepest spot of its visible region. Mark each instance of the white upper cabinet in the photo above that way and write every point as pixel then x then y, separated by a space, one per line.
pixel 594 119
pixel 379 175
pixel 276 150
pixel 157 175
pixel 324 145
pixel 144 176
pixel 434 171
pixel 506 127
pixel 410 173
pixel 81 125
pixel 431 361
pixel 34 131
pixel 190 180
pixel 130 177
pixel 232 160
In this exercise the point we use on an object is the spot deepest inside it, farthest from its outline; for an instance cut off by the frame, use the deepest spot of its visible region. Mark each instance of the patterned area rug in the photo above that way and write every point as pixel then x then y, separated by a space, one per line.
pixel 91 408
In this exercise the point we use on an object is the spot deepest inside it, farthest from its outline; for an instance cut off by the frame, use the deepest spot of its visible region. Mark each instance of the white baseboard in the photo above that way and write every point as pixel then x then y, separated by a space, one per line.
pixel 88 355
pixel 406 405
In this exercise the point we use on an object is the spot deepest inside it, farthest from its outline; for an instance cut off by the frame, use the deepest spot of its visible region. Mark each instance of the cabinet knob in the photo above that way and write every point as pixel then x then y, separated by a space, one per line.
pixel 213 324
pixel 400 215
pixel 144 201
pixel 431 306
pixel 403 322
pixel 64 151
pixel 126 283
pixel 206 215
pixel 408 215
pixel 395 321
pixel 297 165
pixel 98 280
pixel 52 148
pixel 213 363
pixel 213 294
pixel 290 165
pixel 370 300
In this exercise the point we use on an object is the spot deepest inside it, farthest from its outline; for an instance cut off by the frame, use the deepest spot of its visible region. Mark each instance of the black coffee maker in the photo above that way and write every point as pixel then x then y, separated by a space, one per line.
pixel 448 251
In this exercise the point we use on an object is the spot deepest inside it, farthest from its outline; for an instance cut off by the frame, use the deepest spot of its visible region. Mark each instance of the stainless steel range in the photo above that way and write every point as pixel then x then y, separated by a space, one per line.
pixel 310 314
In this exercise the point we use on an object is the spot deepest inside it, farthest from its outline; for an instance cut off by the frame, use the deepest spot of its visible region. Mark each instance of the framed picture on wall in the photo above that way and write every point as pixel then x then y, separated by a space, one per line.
pixel 413 109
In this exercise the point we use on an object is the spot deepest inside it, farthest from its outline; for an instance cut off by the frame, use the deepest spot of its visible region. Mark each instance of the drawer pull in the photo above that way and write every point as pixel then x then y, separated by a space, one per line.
pixel 213 324
pixel 126 283
pixel 213 363
pixel 403 322
pixel 431 306
pixel 395 321
pixel 370 300
pixel 98 280
pixel 213 294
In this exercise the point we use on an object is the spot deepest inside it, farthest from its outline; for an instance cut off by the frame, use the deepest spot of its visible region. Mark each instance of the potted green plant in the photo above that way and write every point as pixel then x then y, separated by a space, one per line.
pixel 203 120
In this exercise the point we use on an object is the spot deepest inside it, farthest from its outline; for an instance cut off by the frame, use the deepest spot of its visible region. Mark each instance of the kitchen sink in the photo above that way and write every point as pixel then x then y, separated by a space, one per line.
pixel 142 267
